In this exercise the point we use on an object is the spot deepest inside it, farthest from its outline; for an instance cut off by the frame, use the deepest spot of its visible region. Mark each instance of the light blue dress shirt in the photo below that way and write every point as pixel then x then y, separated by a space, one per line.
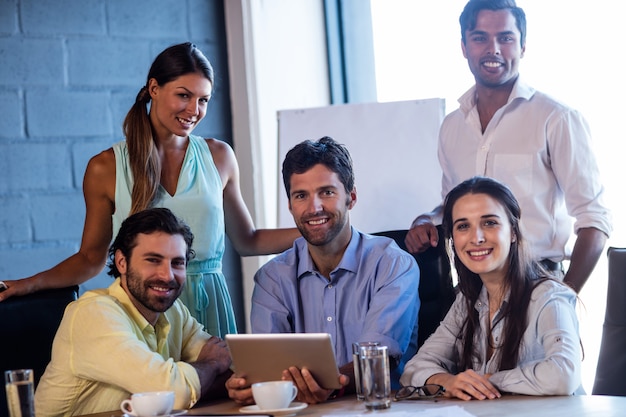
pixel 372 295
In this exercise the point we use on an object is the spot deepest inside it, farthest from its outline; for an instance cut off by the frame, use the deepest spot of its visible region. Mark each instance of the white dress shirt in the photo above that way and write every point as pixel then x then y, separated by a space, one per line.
pixel 542 150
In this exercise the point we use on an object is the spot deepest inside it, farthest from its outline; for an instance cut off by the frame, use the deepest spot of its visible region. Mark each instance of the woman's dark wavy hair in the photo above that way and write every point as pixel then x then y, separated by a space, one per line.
pixel 523 276
pixel 147 222
pixel 325 151
pixel 473 7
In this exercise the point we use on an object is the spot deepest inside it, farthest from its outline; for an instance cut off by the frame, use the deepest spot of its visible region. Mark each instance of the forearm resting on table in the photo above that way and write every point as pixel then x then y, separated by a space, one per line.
pixel 439 379
pixel 212 381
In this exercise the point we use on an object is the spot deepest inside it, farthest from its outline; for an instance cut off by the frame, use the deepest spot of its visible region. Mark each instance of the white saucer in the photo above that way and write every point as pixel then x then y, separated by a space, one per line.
pixel 289 411
pixel 172 414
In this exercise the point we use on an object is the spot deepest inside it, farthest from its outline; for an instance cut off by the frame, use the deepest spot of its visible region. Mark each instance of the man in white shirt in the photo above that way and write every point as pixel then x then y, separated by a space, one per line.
pixel 539 147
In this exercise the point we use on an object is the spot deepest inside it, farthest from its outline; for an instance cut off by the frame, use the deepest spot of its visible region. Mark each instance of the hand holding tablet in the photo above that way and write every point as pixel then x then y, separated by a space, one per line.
pixel 263 357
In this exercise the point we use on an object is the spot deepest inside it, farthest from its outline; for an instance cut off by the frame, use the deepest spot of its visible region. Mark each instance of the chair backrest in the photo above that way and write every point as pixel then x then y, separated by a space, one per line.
pixel 436 289
pixel 611 369
pixel 29 324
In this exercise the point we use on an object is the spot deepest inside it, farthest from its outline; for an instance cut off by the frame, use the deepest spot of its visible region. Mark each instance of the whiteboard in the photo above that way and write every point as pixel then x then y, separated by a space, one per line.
pixel 394 152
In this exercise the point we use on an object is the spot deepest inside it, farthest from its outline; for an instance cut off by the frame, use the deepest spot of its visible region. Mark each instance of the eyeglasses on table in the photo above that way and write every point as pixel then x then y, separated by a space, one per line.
pixel 425 392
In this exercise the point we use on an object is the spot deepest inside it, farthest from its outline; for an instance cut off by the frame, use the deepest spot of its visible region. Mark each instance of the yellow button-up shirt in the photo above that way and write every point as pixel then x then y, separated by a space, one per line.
pixel 105 350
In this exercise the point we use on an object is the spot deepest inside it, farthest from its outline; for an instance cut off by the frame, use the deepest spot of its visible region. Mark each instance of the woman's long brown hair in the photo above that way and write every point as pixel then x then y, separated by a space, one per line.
pixel 523 275
pixel 173 62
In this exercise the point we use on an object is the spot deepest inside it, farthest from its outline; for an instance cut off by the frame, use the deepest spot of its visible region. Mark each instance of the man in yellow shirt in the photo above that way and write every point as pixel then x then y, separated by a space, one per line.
pixel 135 335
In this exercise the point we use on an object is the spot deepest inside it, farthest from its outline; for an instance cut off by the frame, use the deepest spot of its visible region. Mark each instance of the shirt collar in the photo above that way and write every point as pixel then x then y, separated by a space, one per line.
pixel 521 90
pixel 483 302
pixel 116 291
pixel 349 261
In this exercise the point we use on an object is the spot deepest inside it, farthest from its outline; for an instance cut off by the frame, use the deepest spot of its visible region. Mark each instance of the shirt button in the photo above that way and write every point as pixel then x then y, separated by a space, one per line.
pixel 329 318
pixel 330 285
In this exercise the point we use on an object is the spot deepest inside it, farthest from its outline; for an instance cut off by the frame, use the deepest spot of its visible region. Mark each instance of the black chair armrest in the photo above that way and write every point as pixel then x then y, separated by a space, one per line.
pixel 29 324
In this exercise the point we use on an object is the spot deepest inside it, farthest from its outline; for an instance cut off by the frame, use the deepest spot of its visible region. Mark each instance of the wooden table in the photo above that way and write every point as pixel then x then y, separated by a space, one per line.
pixel 509 405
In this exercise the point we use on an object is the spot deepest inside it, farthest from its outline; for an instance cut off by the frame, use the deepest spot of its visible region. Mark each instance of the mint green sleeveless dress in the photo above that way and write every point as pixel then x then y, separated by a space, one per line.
pixel 198 201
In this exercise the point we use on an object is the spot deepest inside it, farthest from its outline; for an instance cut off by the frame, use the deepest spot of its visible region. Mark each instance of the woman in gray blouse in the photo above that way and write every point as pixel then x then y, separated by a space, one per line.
pixel 511 328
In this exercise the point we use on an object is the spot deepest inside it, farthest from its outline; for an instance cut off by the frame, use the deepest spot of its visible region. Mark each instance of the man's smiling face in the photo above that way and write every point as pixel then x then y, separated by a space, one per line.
pixel 319 205
pixel 493 49
pixel 155 272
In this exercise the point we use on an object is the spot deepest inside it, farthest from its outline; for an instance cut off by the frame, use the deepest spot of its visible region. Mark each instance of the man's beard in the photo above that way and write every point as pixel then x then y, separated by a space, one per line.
pixel 140 290
pixel 319 239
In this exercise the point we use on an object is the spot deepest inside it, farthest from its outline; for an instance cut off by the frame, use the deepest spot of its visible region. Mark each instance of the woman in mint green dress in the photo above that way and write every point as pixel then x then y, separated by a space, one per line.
pixel 160 164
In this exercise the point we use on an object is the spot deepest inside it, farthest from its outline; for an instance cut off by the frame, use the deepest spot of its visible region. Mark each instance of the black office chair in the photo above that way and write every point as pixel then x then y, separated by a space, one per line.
pixel 611 369
pixel 29 324
pixel 436 290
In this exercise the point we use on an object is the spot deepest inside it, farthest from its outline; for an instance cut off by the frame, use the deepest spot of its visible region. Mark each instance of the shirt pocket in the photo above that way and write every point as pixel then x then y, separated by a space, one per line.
pixel 516 171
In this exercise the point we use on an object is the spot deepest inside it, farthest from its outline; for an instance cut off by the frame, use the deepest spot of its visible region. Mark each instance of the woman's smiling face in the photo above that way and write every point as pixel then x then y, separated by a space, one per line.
pixel 179 105
pixel 482 235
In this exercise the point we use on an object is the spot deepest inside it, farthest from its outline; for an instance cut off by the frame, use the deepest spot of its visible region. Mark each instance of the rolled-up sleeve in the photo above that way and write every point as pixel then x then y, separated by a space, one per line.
pixel 550 356
pixel 576 170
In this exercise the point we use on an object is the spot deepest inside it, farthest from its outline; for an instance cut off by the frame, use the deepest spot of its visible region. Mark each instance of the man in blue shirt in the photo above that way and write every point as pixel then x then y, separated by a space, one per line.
pixel 334 279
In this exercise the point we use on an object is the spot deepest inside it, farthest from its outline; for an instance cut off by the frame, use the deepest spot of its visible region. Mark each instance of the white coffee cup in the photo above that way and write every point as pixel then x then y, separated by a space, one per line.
pixel 149 404
pixel 274 395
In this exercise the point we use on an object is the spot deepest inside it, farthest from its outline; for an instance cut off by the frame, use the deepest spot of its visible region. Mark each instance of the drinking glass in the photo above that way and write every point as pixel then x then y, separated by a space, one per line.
pixel 375 377
pixel 356 360
pixel 20 387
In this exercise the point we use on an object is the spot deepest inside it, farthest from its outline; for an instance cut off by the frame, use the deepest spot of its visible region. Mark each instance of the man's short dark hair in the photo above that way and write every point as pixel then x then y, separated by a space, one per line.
pixel 325 151
pixel 473 7
pixel 147 222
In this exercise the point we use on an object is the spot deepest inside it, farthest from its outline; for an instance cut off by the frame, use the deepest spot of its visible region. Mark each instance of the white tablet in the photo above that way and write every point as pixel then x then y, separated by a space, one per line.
pixel 263 357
